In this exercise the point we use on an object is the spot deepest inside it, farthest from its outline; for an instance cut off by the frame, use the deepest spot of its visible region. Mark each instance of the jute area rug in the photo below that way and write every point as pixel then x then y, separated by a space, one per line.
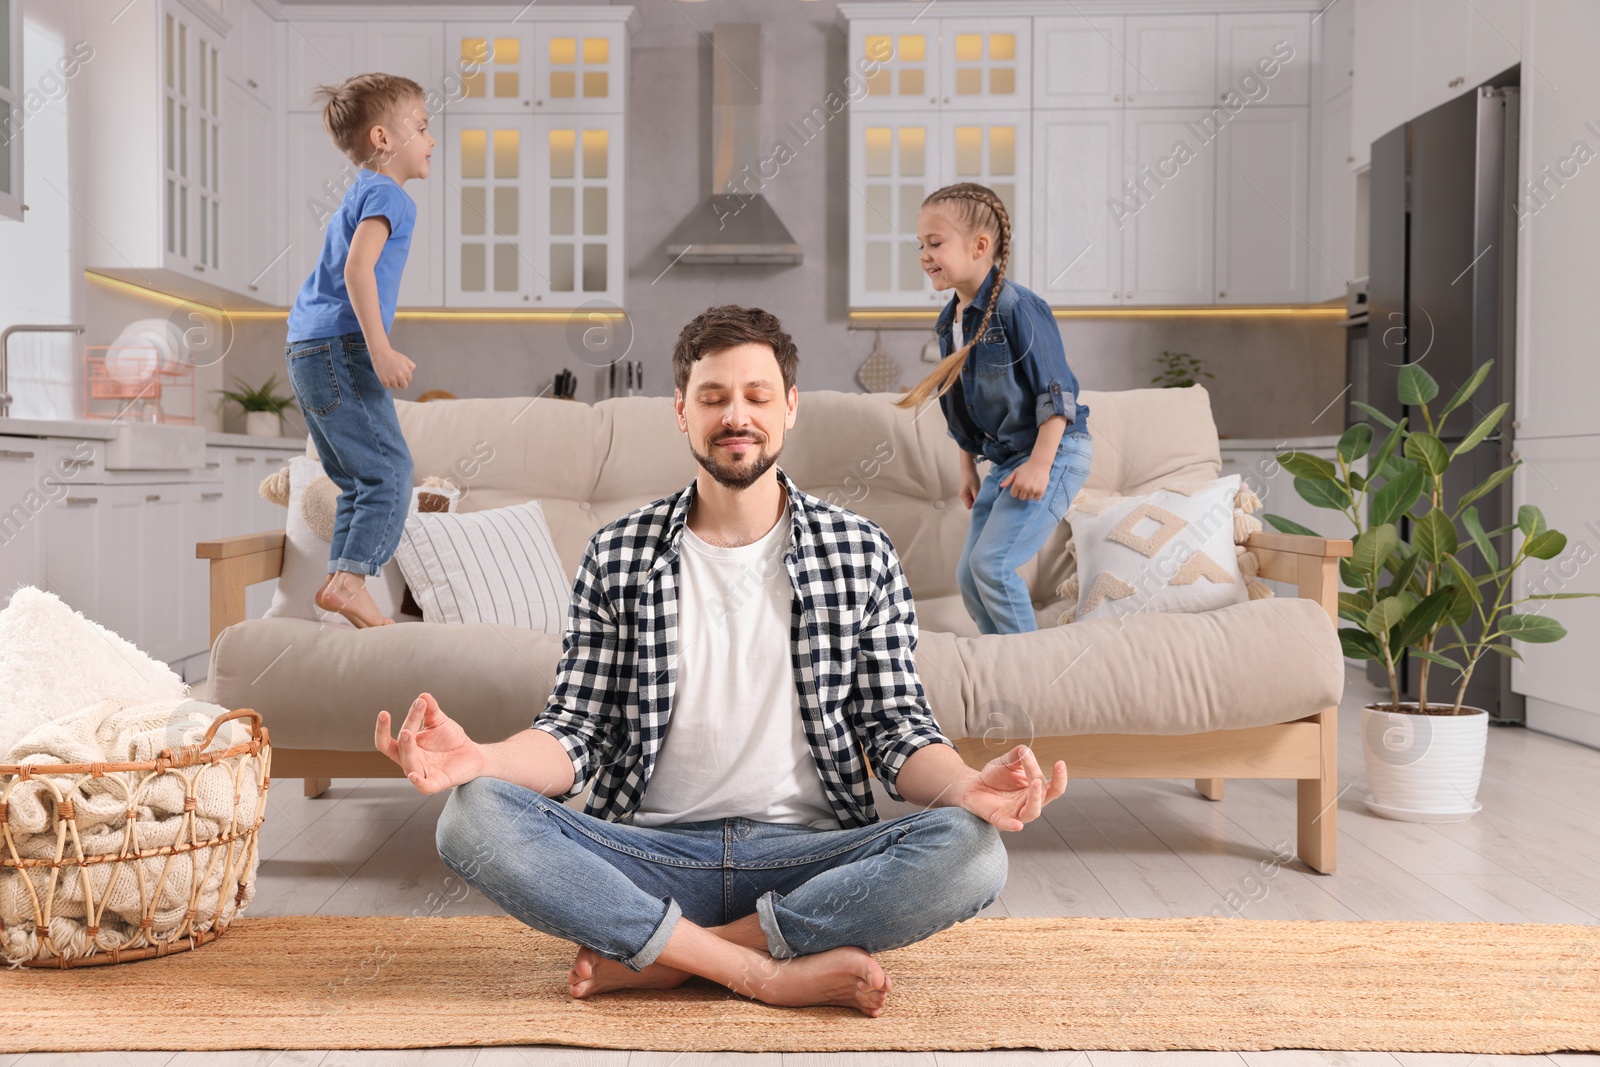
pixel 331 982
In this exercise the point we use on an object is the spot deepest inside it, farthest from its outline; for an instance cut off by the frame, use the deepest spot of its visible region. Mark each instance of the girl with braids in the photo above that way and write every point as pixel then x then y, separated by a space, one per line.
pixel 1008 397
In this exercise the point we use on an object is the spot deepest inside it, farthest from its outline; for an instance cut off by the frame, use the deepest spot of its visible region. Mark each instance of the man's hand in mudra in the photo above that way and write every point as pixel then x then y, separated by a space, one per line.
pixel 1010 791
pixel 433 749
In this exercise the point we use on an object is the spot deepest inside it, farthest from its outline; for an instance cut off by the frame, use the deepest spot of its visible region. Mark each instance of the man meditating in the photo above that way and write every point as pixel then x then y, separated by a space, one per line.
pixel 735 654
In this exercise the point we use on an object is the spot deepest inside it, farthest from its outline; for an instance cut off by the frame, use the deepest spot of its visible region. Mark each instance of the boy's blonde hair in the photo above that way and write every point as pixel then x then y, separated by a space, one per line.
pixel 356 105
pixel 977 210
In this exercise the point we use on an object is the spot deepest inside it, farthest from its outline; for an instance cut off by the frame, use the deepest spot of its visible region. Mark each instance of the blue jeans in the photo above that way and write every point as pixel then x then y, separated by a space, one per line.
pixel 620 889
pixel 1007 532
pixel 351 419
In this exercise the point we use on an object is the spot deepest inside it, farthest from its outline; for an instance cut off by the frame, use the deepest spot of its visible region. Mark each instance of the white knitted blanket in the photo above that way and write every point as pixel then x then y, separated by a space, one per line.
pixel 124 812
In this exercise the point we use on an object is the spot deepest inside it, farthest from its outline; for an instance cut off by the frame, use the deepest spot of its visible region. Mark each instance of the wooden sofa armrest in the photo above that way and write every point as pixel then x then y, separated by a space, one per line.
pixel 1311 564
pixel 236 564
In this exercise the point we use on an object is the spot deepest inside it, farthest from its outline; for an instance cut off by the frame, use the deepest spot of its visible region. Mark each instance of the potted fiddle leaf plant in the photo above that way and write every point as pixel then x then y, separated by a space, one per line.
pixel 1414 595
pixel 263 407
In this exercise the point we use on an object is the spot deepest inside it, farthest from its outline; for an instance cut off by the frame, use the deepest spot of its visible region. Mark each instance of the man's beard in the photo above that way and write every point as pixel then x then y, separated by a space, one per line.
pixel 741 473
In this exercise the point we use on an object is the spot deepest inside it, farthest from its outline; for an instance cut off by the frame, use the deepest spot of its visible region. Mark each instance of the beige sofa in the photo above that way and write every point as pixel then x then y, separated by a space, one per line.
pixel 1249 691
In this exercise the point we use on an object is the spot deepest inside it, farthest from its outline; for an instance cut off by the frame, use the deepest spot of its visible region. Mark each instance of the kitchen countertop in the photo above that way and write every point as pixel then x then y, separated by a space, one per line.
pixel 106 430
pixel 1257 444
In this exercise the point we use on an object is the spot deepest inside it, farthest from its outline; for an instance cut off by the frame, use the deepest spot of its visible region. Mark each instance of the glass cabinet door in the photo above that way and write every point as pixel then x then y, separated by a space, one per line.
pixel 579 169
pixel 579 67
pixel 980 146
pixel 985 64
pixel 488 165
pixel 894 165
pixel 901 63
pixel 496 64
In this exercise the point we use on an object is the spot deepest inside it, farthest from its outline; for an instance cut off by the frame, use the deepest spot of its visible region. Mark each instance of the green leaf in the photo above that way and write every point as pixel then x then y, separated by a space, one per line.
pixel 1358 644
pixel 1434 536
pixel 1465 580
pixel 1427 452
pixel 1487 486
pixel 1288 526
pixel 1530 520
pixel 1416 385
pixel 1434 657
pixel 1355 442
pixel 1504 650
pixel 1468 387
pixel 1348 574
pixel 1484 428
pixel 1385 615
pixel 1547 544
pixel 1486 549
pixel 1424 619
pixel 1358 481
pixel 1353 607
pixel 1403 574
pixel 1375 413
pixel 1396 496
pixel 1323 493
pixel 1460 609
pixel 1305 465
pixel 1559 596
pixel 1536 629
pixel 1373 547
pixel 1380 459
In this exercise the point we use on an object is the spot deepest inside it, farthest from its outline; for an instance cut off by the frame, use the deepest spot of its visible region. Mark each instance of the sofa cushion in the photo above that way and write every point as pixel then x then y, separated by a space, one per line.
pixel 319 688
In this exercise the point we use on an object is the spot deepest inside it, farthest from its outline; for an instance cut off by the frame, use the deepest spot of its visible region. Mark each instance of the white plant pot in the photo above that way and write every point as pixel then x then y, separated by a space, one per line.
pixel 1424 768
pixel 263 424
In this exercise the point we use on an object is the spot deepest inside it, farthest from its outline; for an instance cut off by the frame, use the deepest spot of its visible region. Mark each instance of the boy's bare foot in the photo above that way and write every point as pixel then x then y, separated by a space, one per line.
pixel 346 594
pixel 848 977
pixel 593 973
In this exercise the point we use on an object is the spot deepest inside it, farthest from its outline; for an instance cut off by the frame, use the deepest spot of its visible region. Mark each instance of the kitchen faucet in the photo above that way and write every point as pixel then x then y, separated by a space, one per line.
pixel 5 346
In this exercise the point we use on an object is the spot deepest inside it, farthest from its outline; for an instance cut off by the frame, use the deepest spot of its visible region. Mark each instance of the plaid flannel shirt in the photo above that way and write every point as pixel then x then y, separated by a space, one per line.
pixel 852 639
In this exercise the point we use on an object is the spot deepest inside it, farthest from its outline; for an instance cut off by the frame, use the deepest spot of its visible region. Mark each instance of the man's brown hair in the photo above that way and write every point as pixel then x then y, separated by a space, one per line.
pixel 729 325
pixel 357 104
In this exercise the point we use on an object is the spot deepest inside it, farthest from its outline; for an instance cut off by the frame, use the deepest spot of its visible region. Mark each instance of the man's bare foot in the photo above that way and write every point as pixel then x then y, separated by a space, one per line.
pixel 593 973
pixel 848 977
pixel 346 594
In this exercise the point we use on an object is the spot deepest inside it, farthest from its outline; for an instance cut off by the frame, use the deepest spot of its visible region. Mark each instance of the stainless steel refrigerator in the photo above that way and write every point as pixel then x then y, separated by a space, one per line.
pixel 1442 293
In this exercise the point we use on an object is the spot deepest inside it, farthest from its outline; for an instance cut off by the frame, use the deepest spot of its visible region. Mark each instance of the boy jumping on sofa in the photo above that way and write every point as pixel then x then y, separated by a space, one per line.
pixel 731 832
pixel 341 364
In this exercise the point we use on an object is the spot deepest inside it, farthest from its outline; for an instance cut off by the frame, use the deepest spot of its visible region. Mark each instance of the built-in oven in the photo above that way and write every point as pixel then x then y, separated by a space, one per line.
pixel 1358 383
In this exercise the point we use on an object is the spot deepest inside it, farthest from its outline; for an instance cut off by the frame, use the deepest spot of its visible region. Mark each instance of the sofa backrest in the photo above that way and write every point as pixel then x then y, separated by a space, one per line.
pixel 587 464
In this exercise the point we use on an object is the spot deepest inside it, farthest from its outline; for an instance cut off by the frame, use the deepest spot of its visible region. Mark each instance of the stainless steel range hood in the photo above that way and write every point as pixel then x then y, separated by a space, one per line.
pixel 737 226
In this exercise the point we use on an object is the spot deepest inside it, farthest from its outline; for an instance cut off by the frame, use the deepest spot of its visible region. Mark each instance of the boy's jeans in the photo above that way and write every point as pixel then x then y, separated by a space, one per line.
pixel 351 419
pixel 1007 532
pixel 620 889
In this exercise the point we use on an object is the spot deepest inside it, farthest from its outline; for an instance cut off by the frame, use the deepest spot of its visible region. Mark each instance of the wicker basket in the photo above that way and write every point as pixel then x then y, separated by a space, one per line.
pixel 208 911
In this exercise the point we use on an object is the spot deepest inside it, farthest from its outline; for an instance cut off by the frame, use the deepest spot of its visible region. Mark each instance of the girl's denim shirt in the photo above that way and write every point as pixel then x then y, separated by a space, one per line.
pixel 1015 377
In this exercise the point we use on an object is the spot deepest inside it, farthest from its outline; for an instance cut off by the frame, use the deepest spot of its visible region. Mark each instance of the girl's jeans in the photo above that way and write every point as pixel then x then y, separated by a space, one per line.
pixel 351 419
pixel 620 889
pixel 1007 532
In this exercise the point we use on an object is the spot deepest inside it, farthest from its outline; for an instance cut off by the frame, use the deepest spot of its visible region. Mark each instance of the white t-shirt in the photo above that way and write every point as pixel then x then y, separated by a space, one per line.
pixel 955 332
pixel 735 744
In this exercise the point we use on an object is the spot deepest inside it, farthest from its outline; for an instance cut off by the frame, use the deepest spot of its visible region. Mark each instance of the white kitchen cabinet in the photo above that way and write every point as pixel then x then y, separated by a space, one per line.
pixel 1561 475
pixel 488 167
pixel 1261 213
pixel 204 519
pixel 1334 30
pixel 1250 45
pixel 1172 61
pixel 1078 61
pixel 320 53
pixel 1169 240
pixel 956 62
pixel 256 263
pixel 1413 55
pixel 1333 227
pixel 75 568
pixel 24 494
pixel 159 572
pixel 252 53
pixel 1077 171
pixel 994 150
pixel 190 132
pixel 578 167
pixel 904 57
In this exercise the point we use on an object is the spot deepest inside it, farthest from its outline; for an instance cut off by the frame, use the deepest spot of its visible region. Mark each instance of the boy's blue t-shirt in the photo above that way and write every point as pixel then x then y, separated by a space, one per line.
pixel 322 308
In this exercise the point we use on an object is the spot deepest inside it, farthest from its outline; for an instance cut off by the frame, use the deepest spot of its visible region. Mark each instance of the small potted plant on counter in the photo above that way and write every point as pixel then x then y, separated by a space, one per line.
pixel 1415 595
pixel 262 406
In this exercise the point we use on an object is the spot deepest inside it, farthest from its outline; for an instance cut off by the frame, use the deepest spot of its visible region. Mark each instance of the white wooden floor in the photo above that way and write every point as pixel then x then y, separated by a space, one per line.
pixel 1117 848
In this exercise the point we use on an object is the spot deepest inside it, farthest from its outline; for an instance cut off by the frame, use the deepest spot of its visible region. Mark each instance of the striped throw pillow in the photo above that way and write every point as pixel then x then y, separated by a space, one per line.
pixel 498 565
